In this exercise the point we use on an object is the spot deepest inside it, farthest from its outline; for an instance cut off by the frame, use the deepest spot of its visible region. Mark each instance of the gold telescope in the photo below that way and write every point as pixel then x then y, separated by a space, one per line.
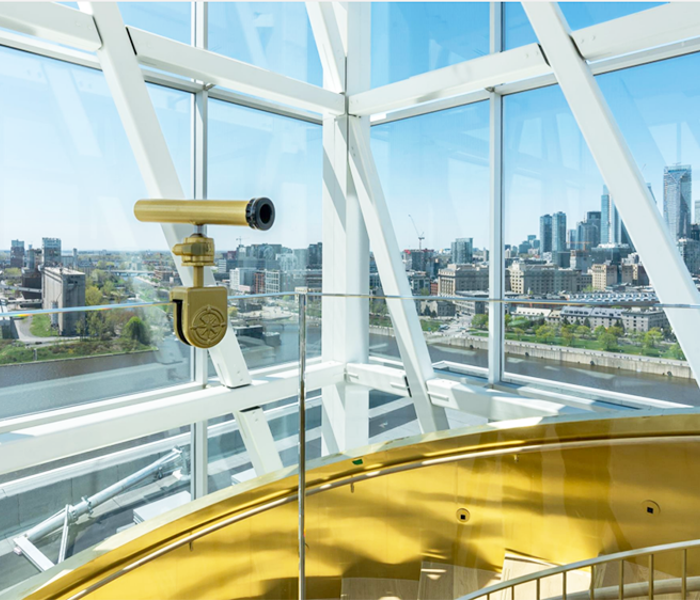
pixel 200 315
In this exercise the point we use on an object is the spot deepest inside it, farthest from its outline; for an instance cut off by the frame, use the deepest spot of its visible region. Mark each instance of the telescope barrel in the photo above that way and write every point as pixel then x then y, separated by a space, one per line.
pixel 258 213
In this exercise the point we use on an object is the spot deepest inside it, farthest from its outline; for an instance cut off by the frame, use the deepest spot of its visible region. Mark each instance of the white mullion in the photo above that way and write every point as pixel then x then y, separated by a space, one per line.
pixel 496 212
pixel 609 149
pixel 345 412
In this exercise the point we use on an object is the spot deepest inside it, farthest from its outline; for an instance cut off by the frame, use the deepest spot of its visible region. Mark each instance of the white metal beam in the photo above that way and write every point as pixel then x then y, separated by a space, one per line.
pixel 31 446
pixel 258 440
pixel 646 29
pixel 345 332
pixel 162 53
pixel 140 122
pixel 463 78
pixel 51 21
pixel 329 42
pixel 407 328
pixel 621 174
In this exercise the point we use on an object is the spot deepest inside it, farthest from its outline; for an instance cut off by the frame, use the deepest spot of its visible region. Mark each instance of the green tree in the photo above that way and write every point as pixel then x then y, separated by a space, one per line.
pixel 544 334
pixel 677 352
pixel 480 321
pixel 616 330
pixel 598 331
pixel 583 331
pixel 508 320
pixel 93 296
pixel 567 334
pixel 136 330
pixel 608 341
pixel 519 332
pixel 653 337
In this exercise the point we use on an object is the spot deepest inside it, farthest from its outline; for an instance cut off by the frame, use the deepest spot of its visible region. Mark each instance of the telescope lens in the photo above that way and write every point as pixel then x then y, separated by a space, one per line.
pixel 260 213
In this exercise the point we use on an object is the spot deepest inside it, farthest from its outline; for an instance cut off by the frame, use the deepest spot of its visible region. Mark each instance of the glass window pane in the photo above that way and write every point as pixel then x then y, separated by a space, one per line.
pixel 519 32
pixel 169 19
pixel 69 185
pixel 273 35
pixel 52 361
pixel 31 496
pixel 565 240
pixel 409 38
pixel 435 177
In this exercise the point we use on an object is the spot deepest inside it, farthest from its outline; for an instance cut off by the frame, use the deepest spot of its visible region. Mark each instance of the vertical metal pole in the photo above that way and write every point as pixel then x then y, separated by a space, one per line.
pixel 592 594
pixel 199 481
pixel 496 261
pixel 651 577
pixel 622 579
pixel 684 581
pixel 302 444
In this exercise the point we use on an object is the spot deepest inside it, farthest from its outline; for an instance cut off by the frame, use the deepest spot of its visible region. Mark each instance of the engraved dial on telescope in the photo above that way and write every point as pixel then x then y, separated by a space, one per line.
pixel 208 326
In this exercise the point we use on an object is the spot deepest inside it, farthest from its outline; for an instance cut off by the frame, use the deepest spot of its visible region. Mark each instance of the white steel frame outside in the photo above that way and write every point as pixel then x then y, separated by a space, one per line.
pixel 355 211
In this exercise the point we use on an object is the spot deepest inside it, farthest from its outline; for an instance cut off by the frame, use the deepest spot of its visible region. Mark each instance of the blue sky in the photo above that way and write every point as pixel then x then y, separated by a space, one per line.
pixel 68 170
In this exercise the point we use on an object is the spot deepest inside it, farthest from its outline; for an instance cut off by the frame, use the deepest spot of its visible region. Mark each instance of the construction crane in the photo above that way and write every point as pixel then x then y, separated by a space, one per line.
pixel 421 236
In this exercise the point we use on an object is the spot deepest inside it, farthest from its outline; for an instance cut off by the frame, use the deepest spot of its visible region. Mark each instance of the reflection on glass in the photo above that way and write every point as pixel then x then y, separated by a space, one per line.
pixel 518 31
pixel 267 329
pixel 31 496
pixel 169 19
pixel 409 38
pixel 275 36
pixel 51 361
pixel 229 462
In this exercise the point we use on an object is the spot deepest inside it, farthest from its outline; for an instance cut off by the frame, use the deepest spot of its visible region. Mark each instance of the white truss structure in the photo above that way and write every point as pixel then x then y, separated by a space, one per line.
pixel 355 212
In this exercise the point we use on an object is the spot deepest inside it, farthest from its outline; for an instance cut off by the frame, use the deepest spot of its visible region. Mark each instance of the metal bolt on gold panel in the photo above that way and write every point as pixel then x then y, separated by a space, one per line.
pixel 200 316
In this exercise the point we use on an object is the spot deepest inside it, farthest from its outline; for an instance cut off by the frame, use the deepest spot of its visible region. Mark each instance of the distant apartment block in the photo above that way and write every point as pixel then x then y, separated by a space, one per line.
pixel 63 288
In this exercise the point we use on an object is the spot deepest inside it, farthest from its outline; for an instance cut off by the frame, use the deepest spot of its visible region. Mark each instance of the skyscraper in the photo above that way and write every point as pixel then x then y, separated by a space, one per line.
pixel 612 228
pixel 462 251
pixel 677 193
pixel 559 232
pixel 545 233
pixel 605 205
pixel 697 212
pixel 17 254
pixel 51 251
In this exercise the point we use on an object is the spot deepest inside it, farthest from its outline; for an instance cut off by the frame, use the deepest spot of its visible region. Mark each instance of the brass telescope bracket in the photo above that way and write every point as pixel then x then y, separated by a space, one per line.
pixel 201 312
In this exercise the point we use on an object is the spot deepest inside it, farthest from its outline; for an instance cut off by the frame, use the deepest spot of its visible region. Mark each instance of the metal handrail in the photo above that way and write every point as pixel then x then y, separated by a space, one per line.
pixel 646 588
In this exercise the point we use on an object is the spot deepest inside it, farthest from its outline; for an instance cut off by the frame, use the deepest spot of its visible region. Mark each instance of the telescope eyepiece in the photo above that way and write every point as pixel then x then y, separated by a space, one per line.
pixel 260 214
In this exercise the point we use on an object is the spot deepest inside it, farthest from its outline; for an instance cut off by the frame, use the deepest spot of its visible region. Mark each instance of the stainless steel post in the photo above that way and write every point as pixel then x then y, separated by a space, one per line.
pixel 302 444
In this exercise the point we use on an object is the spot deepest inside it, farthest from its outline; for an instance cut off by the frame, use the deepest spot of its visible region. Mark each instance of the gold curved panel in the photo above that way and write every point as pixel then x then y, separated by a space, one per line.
pixel 559 490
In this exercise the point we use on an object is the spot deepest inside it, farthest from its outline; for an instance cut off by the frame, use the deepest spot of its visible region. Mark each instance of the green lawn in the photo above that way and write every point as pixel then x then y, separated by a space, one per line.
pixel 41 326
pixel 17 352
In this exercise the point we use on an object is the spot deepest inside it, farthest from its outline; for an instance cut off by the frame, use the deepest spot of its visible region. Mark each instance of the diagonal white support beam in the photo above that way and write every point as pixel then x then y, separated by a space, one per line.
pixel 162 53
pixel 53 22
pixel 258 440
pixel 611 153
pixel 456 80
pixel 125 80
pixel 409 335
pixel 329 41
pixel 646 29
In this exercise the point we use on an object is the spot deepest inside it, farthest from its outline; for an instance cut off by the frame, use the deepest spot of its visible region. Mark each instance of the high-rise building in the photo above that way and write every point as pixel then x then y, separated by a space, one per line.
pixel 545 233
pixel 612 228
pixel 462 251
pixel 677 193
pixel 51 252
pixel 605 213
pixel 559 232
pixel 17 254
pixel 588 232
pixel 697 212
